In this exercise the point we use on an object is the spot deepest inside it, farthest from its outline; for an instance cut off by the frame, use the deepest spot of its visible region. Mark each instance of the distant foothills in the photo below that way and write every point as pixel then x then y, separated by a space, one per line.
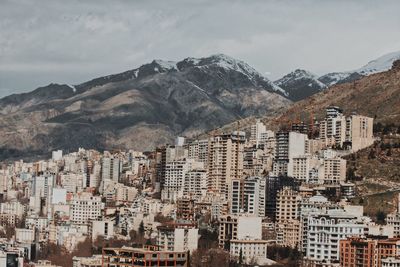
pixel 150 105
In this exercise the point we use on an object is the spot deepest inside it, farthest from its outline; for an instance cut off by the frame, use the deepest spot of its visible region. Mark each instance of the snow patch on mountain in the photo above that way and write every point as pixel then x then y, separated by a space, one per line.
pixel 334 78
pixel 72 87
pixel 166 65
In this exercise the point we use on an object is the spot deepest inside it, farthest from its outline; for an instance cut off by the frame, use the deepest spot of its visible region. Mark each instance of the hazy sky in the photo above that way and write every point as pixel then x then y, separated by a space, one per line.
pixel 72 41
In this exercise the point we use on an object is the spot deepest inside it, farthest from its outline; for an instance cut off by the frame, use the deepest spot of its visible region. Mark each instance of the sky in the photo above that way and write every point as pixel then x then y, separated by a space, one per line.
pixel 73 41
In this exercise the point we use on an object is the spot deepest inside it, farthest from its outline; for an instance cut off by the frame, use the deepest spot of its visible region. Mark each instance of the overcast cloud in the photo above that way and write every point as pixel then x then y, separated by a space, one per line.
pixel 73 41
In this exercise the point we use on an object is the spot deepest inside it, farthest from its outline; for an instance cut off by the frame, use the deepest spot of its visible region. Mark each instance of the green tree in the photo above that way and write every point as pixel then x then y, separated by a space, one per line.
pixel 141 228
pixel 389 152
pixel 372 154
pixel 351 174
pixel 380 217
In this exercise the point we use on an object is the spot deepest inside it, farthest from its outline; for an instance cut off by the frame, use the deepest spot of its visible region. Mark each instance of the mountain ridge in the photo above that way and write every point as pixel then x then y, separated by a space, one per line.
pixel 140 108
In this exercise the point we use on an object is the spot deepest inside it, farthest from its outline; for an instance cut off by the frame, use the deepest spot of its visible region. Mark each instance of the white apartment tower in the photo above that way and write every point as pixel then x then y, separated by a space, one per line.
pixel 248 196
pixel 288 146
pixel 110 168
pixel 257 131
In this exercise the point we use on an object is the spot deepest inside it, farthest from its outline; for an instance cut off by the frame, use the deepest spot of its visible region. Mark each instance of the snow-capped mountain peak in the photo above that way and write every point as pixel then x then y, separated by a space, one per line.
pixel 297 74
pixel 230 64
pixel 300 84
pixel 380 64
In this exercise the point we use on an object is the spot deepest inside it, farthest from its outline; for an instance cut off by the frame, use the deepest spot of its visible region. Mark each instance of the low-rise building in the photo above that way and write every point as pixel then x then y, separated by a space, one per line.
pixel 135 257
pixel 178 236
pixel 252 251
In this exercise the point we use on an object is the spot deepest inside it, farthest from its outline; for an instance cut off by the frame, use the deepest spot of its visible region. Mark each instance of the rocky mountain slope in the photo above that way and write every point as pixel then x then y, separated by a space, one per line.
pixel 138 109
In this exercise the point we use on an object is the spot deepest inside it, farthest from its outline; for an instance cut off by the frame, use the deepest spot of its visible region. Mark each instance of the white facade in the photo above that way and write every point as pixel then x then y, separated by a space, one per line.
pixel 390 262
pixel 72 182
pixel 102 228
pixel 251 250
pixel 249 227
pixel 325 232
pixel 59 196
pixel 13 207
pixel 254 196
pixel 110 168
pixel 85 208
pixel 57 155
pixel 24 235
pixel 178 237
pixel 297 147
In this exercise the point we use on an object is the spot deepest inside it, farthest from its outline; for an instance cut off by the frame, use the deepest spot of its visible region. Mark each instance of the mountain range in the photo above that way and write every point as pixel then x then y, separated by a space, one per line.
pixel 150 105
pixel 138 109
pixel 376 95
pixel 301 84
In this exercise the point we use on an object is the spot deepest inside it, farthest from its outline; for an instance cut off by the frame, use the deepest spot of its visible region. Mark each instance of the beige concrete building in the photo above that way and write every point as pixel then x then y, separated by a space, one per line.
pixel 338 130
pixel 333 171
pixel 303 166
pixel 225 161
pixel 359 131
pixel 288 233
pixel 287 217
pixel 287 205
pixel 253 251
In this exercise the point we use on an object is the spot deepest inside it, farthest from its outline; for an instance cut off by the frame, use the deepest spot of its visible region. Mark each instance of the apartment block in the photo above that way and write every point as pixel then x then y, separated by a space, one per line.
pixel 85 208
pixel 368 252
pixel 178 237
pixel 225 161
pixel 136 257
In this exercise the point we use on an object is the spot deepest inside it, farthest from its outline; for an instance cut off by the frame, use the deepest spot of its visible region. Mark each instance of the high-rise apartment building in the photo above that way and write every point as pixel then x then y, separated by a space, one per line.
pixel 248 196
pixel 179 173
pixel 288 146
pixel 359 131
pixel 355 131
pixel 110 168
pixel 195 185
pixel 287 205
pixel 225 161
pixel 198 150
